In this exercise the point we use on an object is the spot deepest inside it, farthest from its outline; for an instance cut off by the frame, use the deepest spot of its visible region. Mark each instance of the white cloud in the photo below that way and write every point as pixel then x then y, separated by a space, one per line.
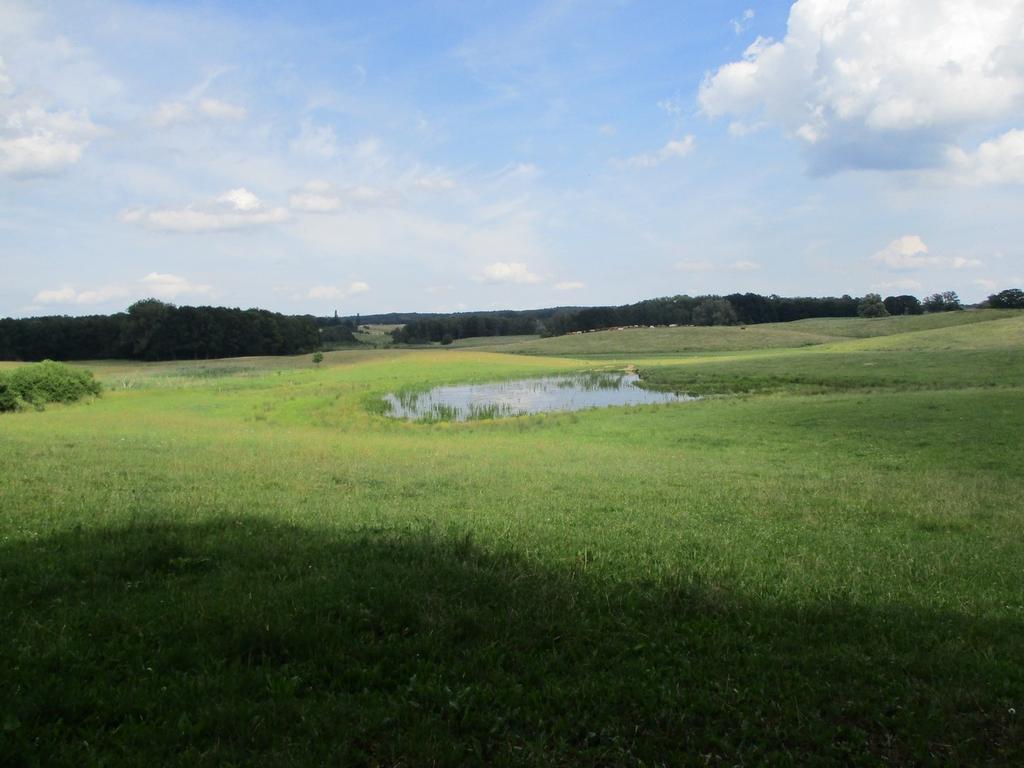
pixel 166 286
pixel 192 220
pixel 507 272
pixel 742 23
pixel 880 83
pixel 221 110
pixel 334 292
pixel 739 128
pixel 194 106
pixel 744 266
pixel 672 150
pixel 907 252
pixel 314 198
pixel 999 161
pixel 36 142
pixel 155 284
pixel 519 172
pixel 236 209
pixel 911 252
pixel 988 285
pixel 569 285
pixel 175 112
pixel 240 199
pixel 56 296
pixel 318 196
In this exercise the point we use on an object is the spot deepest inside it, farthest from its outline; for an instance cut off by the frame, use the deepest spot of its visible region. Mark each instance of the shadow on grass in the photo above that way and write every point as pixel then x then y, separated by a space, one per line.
pixel 240 642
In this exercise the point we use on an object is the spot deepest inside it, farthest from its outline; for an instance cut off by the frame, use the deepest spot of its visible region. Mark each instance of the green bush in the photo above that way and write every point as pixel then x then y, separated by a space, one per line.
pixel 9 401
pixel 45 382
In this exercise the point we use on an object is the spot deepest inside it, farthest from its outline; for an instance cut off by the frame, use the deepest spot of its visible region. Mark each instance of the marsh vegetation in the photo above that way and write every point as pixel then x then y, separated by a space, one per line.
pixel 520 397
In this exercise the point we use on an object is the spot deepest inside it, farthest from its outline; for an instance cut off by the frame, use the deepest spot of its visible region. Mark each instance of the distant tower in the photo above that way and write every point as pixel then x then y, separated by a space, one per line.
pixel 335 314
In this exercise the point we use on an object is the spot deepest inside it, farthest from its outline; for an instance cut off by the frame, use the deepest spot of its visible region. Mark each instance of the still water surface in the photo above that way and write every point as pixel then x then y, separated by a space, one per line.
pixel 524 396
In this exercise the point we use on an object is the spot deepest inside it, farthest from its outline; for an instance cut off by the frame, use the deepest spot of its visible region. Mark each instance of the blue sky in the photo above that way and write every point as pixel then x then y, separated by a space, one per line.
pixel 441 156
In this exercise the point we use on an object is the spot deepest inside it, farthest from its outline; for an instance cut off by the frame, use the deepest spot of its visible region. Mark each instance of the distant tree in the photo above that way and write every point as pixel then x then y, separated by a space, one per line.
pixel 872 306
pixel 903 305
pixel 714 311
pixel 145 322
pixel 338 334
pixel 318 357
pixel 947 301
pixel 1011 298
pixel 447 339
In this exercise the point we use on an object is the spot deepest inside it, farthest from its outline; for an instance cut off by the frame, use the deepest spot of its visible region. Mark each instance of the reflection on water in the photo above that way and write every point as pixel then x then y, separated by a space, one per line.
pixel 516 398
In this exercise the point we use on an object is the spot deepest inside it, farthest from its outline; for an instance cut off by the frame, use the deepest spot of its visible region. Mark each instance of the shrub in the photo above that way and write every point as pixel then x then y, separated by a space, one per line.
pixel 46 382
pixel 9 401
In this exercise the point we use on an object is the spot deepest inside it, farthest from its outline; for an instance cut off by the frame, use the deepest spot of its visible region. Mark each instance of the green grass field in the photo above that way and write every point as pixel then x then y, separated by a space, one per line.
pixel 490 341
pixel 703 340
pixel 243 562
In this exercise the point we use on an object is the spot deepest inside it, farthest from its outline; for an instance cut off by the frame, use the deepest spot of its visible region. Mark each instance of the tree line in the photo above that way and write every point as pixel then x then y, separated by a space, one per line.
pixel 733 309
pixel 155 330
pixel 447 328
pixel 736 308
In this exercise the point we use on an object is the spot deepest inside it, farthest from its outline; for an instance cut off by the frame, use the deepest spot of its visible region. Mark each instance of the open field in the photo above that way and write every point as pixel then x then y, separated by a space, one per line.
pixel 860 327
pixel 976 355
pixel 706 339
pixel 244 562
pixel 490 341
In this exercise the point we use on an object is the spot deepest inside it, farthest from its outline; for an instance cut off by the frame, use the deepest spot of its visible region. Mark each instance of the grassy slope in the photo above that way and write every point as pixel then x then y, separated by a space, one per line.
pixel 690 340
pixel 268 573
pixel 491 341
pixel 857 327
pixel 669 340
pixel 977 355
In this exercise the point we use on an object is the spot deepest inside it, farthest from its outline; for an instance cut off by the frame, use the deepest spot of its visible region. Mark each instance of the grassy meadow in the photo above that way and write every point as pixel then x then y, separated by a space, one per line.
pixel 245 562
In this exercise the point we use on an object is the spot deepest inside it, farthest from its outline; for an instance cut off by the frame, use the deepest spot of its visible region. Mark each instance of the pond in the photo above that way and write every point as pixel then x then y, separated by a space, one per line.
pixel 524 396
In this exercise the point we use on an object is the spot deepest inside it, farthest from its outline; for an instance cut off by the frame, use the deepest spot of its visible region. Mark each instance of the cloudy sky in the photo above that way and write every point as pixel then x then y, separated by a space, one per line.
pixel 455 155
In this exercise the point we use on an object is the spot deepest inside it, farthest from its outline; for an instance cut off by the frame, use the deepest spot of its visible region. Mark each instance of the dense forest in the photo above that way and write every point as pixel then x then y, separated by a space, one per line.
pixel 154 330
pixel 447 328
